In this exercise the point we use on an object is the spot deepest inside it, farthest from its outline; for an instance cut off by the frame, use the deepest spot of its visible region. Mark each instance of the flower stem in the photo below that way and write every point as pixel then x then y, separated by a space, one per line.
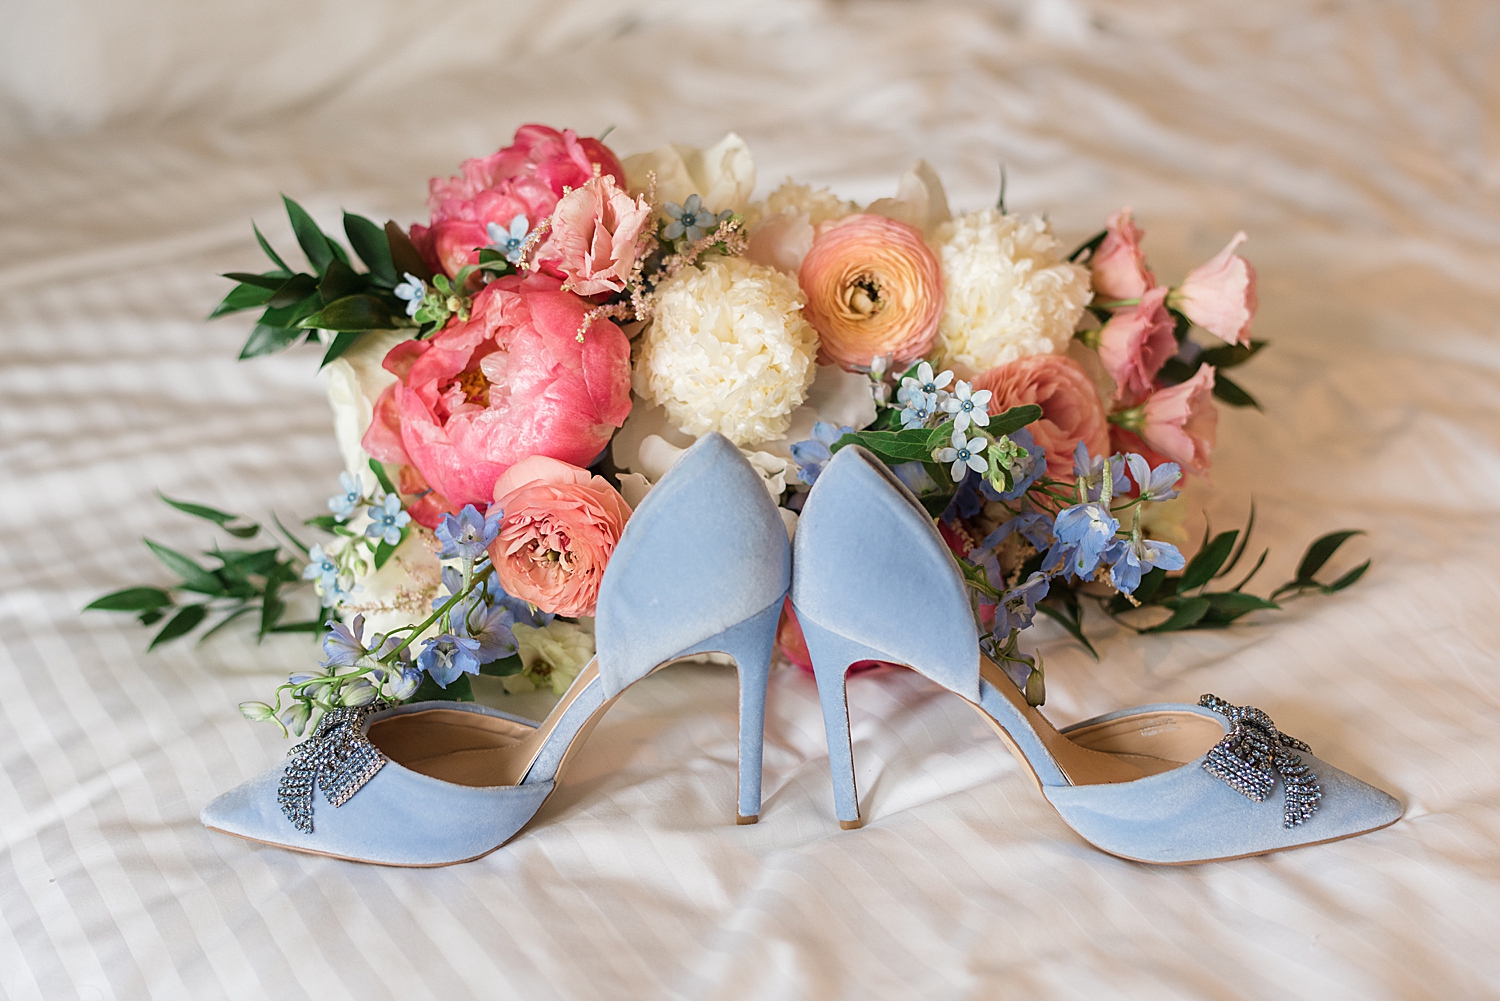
pixel 479 578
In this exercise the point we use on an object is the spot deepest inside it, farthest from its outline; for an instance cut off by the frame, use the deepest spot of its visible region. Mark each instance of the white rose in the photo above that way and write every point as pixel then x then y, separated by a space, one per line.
pixel 919 202
pixel 722 175
pixel 551 656
pixel 355 382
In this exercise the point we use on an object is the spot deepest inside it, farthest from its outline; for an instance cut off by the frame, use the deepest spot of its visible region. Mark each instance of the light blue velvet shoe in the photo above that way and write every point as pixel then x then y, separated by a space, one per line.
pixel 702 566
pixel 1168 783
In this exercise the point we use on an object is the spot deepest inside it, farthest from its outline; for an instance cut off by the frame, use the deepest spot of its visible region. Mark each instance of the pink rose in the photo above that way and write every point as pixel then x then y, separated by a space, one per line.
pixel 1118 265
pixel 559 529
pixel 1135 343
pixel 1181 422
pixel 1219 295
pixel 874 289
pixel 1071 408
pixel 596 232
pixel 511 382
pixel 525 178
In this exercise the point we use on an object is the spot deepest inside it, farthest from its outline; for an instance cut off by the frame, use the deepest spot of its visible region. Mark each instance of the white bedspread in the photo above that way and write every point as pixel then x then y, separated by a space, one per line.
pixel 1358 143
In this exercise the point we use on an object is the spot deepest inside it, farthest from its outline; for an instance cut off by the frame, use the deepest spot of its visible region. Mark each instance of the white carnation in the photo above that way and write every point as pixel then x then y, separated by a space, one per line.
pixel 1009 293
pixel 729 351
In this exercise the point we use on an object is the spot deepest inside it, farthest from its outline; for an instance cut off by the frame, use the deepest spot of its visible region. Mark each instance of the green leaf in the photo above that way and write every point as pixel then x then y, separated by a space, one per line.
pixel 339 281
pixel 1226 606
pixel 150 616
pixel 341 342
pixel 1347 579
pixel 1230 355
pixel 239 561
pixel 241 297
pixel 1150 584
pixel 382 476
pixel 1175 371
pixel 305 626
pixel 294 291
pixel 493 260
pixel 1320 552
pixel 184 622
pixel 888 419
pixel 266 340
pixel 458 690
pixel 1207 562
pixel 1253 570
pixel 502 668
pixel 352 313
pixel 404 254
pixel 892 446
pixel 290 537
pixel 194 577
pixel 315 245
pixel 327 522
pixel 1231 393
pixel 385 550
pixel 1244 541
pixel 1188 611
pixel 370 243
pixel 131 599
pixel 275 258
pixel 1013 419
pixel 220 518
pixel 270 281
pixel 271 606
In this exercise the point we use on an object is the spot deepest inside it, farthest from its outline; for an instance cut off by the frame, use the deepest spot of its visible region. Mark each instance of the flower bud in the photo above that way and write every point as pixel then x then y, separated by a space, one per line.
pixel 256 712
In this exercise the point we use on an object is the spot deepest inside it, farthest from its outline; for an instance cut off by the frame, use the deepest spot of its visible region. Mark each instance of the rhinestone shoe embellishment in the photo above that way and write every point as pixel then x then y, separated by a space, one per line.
pixel 337 757
pixel 1244 760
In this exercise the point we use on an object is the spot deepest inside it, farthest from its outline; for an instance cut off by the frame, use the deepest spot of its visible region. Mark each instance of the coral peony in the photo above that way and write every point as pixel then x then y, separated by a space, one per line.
pixel 874 289
pixel 1118 266
pixel 1182 423
pixel 1219 295
pixel 559 527
pixel 1008 293
pixel 1135 343
pixel 524 179
pixel 1071 410
pixel 729 350
pixel 596 233
pixel 511 382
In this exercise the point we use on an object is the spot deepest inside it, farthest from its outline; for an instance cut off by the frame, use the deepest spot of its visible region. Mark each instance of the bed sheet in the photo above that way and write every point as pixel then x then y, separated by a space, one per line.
pixel 1355 142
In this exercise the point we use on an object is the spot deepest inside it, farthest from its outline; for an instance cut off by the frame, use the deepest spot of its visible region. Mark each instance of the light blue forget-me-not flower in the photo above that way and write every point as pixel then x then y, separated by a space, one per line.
pixel 508 242
pixel 386 520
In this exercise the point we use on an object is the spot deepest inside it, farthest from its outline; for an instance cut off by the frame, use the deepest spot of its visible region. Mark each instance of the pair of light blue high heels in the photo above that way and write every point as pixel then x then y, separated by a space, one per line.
pixel 704 566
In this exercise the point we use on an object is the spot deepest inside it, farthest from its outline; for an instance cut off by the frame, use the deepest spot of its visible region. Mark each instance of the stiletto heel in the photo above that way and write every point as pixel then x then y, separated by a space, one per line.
pixel 832 656
pixel 1167 783
pixel 703 565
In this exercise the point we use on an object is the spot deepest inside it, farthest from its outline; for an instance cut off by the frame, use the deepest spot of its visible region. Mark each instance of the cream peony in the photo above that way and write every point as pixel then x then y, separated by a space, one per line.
pixel 1009 292
pixel 722 175
pixel 729 350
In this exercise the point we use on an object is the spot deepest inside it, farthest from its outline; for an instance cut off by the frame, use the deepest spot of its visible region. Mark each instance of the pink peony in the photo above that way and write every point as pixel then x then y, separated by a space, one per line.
pixel 511 382
pixel 874 289
pixel 1135 343
pixel 596 232
pixel 1181 422
pixel 525 178
pixel 1071 409
pixel 1219 295
pixel 1119 266
pixel 559 528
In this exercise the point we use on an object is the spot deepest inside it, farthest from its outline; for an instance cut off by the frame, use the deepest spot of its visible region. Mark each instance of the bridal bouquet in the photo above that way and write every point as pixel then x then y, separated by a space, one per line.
pixel 510 379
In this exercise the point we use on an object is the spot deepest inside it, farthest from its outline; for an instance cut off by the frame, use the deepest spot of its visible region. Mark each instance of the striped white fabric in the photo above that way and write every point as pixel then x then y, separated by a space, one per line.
pixel 1355 143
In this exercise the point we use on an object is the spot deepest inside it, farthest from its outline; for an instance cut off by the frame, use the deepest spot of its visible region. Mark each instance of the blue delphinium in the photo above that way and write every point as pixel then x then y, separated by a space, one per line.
pixel 1017 606
pixel 1134 557
pixel 413 291
pixel 813 454
pixel 343 505
pixel 689 219
pixel 344 645
pixel 1083 533
pixel 508 243
pixel 1157 484
pixel 466 535
pixel 919 409
pixel 1092 471
pixel 387 520
pixel 491 626
pixel 1033 526
pixel 446 657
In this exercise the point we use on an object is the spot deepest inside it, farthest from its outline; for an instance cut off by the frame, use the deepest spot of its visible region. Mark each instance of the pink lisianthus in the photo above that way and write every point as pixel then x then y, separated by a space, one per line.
pixel 1071 409
pixel 1135 343
pixel 596 233
pixel 1119 266
pixel 558 530
pixel 524 179
pixel 511 382
pixel 1181 422
pixel 1219 295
